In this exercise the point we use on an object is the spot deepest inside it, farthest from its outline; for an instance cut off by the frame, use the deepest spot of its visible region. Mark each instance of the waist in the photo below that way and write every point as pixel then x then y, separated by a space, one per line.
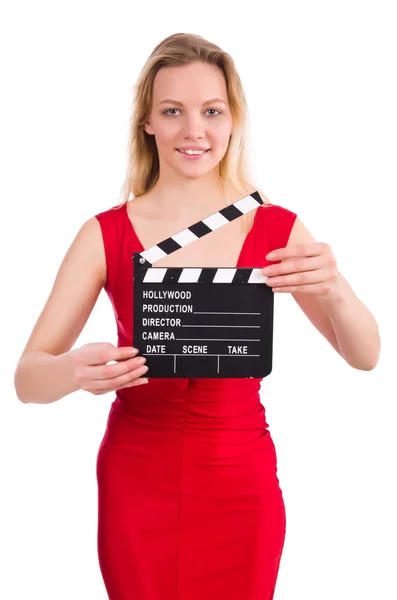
pixel 194 404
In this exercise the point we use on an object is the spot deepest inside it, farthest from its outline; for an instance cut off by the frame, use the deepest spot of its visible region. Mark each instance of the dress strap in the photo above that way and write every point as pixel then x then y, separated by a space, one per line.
pixel 279 225
pixel 112 228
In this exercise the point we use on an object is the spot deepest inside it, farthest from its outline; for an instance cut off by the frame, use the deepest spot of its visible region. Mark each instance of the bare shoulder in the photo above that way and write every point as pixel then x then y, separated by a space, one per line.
pixel 88 247
pixel 300 234
pixel 76 287
pixel 89 239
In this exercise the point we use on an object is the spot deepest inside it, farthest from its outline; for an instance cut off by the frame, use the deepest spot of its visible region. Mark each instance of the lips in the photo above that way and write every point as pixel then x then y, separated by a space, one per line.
pixel 204 151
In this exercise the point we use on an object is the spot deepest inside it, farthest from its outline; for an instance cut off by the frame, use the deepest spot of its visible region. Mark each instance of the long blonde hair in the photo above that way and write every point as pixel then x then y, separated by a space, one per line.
pixel 142 160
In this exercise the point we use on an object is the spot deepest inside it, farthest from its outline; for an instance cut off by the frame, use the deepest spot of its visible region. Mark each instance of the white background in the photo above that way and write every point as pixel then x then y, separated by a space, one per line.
pixel 320 79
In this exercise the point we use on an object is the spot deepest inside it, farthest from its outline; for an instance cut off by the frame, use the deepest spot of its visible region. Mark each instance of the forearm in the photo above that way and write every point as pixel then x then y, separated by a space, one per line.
pixel 43 378
pixel 355 327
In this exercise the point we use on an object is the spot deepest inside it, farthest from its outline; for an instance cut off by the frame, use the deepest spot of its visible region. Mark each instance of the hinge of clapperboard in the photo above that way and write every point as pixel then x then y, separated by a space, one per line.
pixel 145 259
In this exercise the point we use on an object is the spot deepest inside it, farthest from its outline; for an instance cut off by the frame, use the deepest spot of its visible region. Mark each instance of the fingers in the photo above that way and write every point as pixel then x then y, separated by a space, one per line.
pixel 119 354
pixel 102 367
pixel 111 372
pixel 127 378
pixel 124 352
pixel 103 353
pixel 300 264
pixel 134 382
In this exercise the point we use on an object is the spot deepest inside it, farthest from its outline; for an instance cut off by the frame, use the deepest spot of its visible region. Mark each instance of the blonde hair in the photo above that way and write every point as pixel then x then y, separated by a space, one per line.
pixel 143 162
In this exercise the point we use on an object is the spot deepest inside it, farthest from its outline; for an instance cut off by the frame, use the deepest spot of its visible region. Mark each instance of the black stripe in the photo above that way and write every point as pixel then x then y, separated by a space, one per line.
pixel 169 245
pixel 230 212
pixel 199 229
pixel 207 275
pixel 242 275
pixel 172 275
pixel 257 197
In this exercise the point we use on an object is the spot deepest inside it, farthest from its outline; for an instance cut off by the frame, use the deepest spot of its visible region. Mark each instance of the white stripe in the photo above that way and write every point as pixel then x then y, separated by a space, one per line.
pixel 184 237
pixel 257 277
pixel 190 275
pixel 224 275
pixel 154 253
pixel 246 204
pixel 215 221
pixel 155 275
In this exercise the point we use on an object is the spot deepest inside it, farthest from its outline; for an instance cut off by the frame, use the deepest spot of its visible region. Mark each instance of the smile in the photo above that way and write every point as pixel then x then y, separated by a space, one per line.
pixel 192 156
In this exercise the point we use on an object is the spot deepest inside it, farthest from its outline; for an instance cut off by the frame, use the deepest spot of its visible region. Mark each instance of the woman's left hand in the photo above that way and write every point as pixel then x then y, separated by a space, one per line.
pixel 309 268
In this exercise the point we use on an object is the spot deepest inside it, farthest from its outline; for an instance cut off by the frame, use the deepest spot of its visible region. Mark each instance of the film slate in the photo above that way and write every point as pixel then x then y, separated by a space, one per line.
pixel 202 321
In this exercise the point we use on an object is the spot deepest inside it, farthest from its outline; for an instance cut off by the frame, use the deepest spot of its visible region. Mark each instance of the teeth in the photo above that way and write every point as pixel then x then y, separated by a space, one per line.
pixel 193 151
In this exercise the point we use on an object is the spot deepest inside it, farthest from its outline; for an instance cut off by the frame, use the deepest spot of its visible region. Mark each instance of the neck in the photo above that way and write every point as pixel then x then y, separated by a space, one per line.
pixel 188 198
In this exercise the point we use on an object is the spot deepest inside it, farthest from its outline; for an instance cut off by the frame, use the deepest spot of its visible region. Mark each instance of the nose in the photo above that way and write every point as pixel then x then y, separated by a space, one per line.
pixel 194 125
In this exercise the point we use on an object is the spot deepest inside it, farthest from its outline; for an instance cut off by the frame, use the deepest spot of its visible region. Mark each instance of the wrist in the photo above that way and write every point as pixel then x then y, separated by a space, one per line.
pixel 338 294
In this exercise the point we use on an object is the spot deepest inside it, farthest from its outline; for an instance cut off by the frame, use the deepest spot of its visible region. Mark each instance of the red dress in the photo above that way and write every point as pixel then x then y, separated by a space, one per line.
pixel 189 503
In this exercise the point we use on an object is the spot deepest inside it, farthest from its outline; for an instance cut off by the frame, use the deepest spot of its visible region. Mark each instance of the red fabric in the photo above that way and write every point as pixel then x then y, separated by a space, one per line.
pixel 189 502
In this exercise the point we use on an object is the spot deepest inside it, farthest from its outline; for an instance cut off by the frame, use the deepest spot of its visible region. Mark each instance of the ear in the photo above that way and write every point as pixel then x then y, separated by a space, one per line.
pixel 147 127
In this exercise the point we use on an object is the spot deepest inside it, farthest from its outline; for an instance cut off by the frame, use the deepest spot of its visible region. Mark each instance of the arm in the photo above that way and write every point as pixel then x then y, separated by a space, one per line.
pixel 355 328
pixel 343 320
pixel 45 369
pixel 42 377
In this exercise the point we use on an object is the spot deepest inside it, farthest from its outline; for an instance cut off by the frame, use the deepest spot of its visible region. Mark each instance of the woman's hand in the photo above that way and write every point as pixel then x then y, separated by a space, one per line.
pixel 309 268
pixel 93 374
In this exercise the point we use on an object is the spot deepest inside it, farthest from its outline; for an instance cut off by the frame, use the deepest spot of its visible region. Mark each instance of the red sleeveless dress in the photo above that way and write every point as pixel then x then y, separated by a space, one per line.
pixel 189 503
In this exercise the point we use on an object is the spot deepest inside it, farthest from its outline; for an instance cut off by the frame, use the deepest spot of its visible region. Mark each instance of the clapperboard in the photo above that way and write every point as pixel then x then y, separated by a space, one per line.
pixel 202 321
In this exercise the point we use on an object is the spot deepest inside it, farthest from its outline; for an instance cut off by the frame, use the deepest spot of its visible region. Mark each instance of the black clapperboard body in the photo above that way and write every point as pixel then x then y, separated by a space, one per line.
pixel 202 321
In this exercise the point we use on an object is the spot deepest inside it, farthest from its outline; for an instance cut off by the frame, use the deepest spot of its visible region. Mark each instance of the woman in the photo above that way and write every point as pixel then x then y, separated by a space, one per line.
pixel 190 505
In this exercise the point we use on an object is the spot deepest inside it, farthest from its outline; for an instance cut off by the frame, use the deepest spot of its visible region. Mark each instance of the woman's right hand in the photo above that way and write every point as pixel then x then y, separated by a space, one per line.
pixel 93 374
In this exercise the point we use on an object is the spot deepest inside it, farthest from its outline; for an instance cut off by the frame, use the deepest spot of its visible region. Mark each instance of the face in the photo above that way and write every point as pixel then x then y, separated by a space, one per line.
pixel 192 120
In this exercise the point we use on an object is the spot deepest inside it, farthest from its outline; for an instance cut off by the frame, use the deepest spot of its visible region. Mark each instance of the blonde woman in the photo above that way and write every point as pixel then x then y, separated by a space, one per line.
pixel 189 502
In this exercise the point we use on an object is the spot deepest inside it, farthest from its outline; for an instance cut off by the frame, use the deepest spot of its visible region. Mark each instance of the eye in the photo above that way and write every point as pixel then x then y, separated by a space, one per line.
pixel 167 111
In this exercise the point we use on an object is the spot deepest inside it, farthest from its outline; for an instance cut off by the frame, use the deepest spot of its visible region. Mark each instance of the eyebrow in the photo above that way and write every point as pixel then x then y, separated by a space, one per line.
pixel 169 101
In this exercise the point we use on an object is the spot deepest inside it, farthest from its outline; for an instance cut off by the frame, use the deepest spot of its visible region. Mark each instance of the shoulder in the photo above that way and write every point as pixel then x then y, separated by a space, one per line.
pixel 110 214
pixel 278 222
pixel 276 217
pixel 290 226
pixel 276 211
pixel 93 239
pixel 89 232
pixel 111 223
pixel 108 230
pixel 89 243
pixel 290 223
pixel 300 234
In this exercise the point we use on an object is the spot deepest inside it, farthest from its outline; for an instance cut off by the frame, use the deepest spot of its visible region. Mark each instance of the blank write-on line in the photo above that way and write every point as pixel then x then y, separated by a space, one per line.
pixel 230 326
pixel 193 355
pixel 216 312
pixel 216 340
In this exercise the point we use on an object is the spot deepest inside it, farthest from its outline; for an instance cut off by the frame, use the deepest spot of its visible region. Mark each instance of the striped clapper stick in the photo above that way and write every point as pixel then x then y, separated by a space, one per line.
pixel 202 322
